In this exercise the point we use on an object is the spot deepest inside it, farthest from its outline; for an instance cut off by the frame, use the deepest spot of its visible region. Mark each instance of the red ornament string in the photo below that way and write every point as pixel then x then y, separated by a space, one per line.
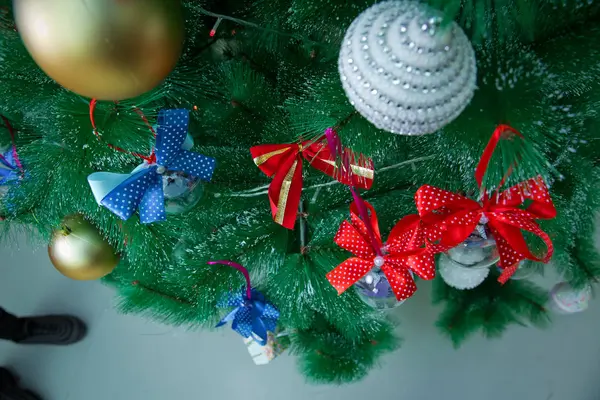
pixel 508 212
pixel 502 131
pixel 151 159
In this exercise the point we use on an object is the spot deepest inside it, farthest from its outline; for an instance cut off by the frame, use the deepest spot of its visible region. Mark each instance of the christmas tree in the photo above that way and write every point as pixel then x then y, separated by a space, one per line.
pixel 261 72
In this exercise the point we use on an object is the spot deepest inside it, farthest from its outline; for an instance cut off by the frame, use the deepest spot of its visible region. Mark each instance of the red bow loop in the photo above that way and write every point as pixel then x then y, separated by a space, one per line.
pixel 361 225
pixel 349 237
pixel 408 251
pixel 270 158
pixel 449 218
pixel 283 162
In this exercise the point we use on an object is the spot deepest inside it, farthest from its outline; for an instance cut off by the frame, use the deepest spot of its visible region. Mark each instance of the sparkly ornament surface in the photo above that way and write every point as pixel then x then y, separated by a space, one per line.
pixel 567 300
pixel 403 71
pixel 465 255
pixel 105 49
pixel 78 251
pixel 468 264
pixel 460 276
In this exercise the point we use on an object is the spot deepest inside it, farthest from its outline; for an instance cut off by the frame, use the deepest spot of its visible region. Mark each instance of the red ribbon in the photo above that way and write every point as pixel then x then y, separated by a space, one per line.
pixel 240 268
pixel 455 217
pixel 403 252
pixel 283 162
pixel 151 159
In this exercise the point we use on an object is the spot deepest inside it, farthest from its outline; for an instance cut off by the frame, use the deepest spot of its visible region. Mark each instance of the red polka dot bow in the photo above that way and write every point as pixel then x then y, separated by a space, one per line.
pixel 403 252
pixel 283 162
pixel 450 218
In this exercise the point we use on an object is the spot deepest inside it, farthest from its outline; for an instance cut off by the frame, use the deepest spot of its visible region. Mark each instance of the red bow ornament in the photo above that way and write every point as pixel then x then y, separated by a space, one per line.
pixel 403 252
pixel 283 162
pixel 454 217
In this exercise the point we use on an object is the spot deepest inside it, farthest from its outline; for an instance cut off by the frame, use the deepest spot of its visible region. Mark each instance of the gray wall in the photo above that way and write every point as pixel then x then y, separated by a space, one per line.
pixel 127 357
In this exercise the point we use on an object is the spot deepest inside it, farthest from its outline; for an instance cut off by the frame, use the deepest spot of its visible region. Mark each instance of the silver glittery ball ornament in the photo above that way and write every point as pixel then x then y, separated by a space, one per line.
pixel 404 71
pixel 460 276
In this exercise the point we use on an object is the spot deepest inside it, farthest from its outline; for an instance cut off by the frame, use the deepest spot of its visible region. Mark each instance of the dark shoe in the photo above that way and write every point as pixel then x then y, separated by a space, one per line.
pixel 9 389
pixel 53 329
pixel 7 379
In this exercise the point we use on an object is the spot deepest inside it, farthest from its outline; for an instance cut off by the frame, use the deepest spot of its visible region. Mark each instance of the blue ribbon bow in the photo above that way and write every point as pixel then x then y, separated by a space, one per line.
pixel 123 194
pixel 252 317
pixel 8 168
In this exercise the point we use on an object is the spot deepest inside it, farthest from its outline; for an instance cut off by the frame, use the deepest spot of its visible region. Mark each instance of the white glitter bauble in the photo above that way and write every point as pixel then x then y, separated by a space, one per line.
pixel 460 276
pixel 404 72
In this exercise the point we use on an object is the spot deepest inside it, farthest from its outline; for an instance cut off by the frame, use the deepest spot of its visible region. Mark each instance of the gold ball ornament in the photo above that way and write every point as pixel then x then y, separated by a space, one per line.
pixel 79 251
pixel 103 49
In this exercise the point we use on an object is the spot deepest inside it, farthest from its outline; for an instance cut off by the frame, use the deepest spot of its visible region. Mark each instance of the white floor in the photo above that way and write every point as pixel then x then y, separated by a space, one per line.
pixel 128 358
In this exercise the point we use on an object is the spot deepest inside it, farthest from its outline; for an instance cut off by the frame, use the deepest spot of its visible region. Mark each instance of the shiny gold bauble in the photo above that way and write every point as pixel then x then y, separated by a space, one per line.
pixel 104 49
pixel 79 252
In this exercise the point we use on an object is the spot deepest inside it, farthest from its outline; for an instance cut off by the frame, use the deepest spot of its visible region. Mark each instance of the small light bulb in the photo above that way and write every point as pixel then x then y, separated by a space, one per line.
pixel 213 31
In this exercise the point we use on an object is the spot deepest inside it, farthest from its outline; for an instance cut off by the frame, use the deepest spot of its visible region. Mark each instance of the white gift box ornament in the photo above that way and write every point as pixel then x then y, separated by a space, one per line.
pixel 262 355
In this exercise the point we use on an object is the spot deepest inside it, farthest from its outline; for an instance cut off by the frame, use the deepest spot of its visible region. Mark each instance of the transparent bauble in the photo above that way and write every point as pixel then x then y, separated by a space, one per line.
pixel 565 299
pixel 467 265
pixel 375 290
pixel 477 250
pixel 182 192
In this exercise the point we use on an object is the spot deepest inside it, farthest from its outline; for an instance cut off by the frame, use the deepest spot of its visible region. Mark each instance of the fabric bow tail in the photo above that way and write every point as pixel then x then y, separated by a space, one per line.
pixel 123 194
pixel 408 253
pixel 284 164
pixel 507 222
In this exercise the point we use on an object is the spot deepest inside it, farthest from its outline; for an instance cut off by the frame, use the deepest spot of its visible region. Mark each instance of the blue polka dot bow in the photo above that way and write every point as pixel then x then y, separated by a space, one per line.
pixel 252 317
pixel 9 170
pixel 123 194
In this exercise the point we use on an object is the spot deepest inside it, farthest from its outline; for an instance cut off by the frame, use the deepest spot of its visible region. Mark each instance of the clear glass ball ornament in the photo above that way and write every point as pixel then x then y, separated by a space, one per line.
pixel 375 290
pixel 467 265
pixel 565 299
pixel 182 192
